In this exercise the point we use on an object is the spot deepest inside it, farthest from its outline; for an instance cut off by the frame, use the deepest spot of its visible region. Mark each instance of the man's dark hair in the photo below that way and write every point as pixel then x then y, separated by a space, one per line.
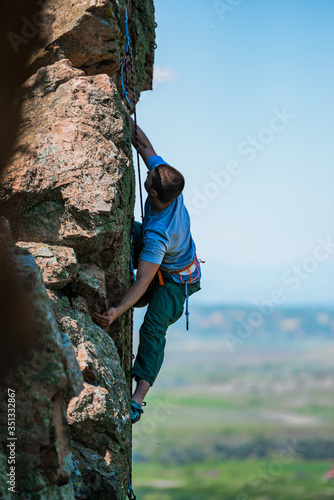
pixel 168 183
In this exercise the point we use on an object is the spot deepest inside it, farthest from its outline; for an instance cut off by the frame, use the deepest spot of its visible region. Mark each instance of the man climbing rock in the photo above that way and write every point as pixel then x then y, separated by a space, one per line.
pixel 168 269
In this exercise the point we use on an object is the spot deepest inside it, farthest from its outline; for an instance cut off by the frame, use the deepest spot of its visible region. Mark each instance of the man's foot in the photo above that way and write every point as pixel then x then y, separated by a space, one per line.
pixel 136 411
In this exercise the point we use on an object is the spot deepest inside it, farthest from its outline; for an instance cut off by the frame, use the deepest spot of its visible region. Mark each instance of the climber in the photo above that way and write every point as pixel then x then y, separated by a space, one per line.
pixel 167 268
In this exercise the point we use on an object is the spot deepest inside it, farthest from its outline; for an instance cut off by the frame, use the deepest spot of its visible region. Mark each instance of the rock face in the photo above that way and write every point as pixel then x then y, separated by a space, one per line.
pixel 68 195
pixel 90 33
pixel 99 417
pixel 71 182
pixel 58 265
pixel 44 384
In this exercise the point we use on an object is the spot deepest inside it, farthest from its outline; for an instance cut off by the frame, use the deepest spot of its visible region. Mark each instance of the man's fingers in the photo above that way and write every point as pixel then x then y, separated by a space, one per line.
pixel 97 315
pixel 98 318
pixel 102 320
pixel 106 318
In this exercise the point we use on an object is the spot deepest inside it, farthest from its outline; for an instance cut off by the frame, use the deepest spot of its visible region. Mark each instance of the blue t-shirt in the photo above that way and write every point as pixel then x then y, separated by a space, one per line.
pixel 166 235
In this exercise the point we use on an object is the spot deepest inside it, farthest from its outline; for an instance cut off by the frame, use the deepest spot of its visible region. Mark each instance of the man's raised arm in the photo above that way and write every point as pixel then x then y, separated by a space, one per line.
pixel 145 148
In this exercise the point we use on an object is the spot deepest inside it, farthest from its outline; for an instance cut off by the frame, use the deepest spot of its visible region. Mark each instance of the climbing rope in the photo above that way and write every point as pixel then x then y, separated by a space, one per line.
pixel 131 493
pixel 127 57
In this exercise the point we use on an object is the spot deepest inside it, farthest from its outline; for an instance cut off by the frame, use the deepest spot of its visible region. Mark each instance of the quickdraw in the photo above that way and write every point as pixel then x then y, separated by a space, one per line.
pixel 189 279
pixel 187 305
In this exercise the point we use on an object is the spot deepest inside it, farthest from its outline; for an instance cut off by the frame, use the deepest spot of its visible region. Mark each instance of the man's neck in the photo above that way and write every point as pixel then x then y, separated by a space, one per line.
pixel 159 206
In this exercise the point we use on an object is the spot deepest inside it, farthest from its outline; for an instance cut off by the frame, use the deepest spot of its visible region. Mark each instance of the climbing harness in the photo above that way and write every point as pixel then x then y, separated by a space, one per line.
pixel 127 57
pixel 185 277
pixel 190 269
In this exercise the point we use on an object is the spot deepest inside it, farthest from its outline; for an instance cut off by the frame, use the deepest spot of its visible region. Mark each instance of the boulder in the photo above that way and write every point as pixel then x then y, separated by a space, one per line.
pixel 43 384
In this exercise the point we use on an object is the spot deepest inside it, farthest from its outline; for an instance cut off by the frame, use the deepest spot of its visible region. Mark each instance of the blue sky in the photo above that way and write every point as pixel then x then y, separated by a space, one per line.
pixel 244 91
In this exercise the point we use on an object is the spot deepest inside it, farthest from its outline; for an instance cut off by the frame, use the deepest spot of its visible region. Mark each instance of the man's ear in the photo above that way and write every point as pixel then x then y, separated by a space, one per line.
pixel 153 193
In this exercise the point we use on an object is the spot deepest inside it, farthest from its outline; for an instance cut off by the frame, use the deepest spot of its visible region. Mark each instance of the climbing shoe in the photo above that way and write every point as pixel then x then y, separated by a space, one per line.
pixel 136 411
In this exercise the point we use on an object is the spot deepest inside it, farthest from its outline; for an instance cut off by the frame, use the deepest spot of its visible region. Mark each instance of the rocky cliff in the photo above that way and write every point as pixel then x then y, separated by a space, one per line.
pixel 68 197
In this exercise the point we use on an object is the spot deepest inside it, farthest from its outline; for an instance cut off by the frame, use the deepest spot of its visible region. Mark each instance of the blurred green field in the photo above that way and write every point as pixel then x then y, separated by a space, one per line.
pixel 234 480
pixel 257 424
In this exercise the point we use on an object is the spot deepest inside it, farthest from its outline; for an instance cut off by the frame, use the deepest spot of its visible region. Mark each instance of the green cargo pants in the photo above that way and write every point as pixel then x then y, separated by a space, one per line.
pixel 165 307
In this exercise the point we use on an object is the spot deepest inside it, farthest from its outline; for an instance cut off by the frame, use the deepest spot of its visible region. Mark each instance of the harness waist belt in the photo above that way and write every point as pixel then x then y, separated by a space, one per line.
pixel 189 270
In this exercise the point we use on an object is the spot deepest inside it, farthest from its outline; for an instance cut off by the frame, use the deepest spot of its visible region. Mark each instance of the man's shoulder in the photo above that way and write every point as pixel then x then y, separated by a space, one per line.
pixel 181 206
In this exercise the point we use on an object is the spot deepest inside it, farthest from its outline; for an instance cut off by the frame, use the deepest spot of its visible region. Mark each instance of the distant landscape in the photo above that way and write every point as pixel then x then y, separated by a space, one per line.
pixel 240 418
